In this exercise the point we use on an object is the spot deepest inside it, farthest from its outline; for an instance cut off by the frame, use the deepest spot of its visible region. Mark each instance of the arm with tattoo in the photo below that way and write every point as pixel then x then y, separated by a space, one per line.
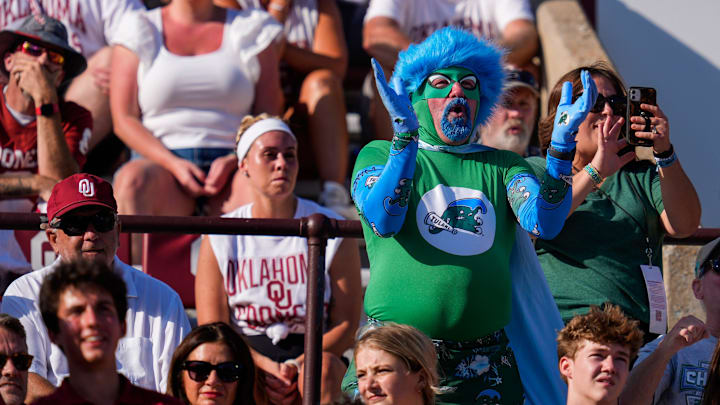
pixel 381 192
pixel 542 206
pixel 17 185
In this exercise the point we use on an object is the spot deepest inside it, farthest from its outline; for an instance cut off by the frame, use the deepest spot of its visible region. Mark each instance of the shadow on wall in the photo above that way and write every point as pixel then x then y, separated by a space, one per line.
pixel 688 86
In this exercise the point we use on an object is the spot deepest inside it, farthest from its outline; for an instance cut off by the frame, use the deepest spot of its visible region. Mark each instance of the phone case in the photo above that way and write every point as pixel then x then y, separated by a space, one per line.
pixel 635 97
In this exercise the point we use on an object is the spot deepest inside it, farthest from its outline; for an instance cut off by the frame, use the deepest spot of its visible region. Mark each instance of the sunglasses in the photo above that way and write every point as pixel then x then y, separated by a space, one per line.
pixel 229 371
pixel 76 225
pixel 35 50
pixel 713 264
pixel 618 104
pixel 21 361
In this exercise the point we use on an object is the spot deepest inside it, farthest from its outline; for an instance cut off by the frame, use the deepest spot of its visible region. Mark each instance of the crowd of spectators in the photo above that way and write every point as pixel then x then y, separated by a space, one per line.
pixel 217 107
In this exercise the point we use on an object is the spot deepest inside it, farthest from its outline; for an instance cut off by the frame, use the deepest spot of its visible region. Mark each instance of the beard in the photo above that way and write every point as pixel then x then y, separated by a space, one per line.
pixel 456 129
pixel 517 142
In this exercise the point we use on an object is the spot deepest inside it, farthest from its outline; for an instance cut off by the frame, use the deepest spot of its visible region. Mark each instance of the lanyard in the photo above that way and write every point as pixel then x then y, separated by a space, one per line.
pixel 648 247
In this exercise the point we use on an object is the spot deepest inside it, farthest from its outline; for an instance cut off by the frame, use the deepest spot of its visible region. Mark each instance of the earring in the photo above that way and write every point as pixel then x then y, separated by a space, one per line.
pixel 246 174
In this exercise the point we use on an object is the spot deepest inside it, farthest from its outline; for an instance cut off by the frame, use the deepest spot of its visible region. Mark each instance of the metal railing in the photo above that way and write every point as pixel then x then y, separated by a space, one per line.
pixel 316 228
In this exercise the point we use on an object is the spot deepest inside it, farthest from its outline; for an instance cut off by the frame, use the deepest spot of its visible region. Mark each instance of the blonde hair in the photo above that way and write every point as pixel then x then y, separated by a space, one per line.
pixel 249 120
pixel 411 346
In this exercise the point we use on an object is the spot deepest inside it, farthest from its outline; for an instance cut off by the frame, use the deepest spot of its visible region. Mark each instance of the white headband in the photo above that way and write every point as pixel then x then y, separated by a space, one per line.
pixel 256 130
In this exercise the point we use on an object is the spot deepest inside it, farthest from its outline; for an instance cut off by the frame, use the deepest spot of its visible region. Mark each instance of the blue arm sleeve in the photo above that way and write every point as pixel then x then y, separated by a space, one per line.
pixel 542 206
pixel 381 193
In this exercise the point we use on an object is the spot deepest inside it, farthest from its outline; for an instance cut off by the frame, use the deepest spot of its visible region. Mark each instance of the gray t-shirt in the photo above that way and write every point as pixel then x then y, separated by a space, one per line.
pixel 686 374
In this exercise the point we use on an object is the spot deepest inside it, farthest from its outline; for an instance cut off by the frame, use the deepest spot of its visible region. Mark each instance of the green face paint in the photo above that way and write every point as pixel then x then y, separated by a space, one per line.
pixel 438 86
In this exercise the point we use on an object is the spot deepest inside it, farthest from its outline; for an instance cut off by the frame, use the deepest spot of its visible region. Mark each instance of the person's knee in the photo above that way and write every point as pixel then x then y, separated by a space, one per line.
pixel 321 82
pixel 134 179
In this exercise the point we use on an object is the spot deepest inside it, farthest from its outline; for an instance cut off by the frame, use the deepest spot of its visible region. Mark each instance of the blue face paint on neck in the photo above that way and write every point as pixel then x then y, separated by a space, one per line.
pixel 459 128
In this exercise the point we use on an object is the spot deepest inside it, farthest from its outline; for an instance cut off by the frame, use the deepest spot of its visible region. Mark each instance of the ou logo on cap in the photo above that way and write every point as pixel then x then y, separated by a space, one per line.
pixel 86 188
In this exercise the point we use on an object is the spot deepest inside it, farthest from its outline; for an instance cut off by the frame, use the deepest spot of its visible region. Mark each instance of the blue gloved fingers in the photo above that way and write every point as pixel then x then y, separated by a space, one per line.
pixel 396 102
pixel 380 81
pixel 589 95
pixel 566 94
pixel 399 88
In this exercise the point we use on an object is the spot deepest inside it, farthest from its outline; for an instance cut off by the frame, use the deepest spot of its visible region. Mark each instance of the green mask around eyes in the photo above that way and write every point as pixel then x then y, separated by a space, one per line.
pixel 443 80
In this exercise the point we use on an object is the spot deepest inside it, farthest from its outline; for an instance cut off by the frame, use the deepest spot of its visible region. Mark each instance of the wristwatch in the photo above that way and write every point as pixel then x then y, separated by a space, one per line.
pixel 47 110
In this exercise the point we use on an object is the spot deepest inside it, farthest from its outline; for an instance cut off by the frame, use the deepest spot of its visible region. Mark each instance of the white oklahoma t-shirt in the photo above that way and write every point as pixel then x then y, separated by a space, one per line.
pixel 265 277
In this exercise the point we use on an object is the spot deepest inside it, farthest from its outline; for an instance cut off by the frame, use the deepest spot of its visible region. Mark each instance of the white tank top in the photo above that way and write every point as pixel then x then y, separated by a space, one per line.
pixel 198 101
pixel 265 277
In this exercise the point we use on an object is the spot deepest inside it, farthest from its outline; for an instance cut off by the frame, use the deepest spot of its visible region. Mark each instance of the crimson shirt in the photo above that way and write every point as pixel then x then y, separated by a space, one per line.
pixel 129 395
pixel 18 144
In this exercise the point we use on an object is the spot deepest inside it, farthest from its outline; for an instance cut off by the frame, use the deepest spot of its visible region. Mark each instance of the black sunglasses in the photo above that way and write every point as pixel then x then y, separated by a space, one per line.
pixel 618 104
pixel 199 371
pixel 76 225
pixel 712 264
pixel 21 361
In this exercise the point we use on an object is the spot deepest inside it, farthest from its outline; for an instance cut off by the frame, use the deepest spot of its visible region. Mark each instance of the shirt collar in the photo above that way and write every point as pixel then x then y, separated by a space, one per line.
pixel 127 276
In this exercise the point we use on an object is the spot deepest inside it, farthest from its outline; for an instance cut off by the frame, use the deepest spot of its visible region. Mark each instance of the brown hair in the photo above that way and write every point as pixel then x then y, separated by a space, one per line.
pixel 409 345
pixel 599 68
pixel 214 332
pixel 604 326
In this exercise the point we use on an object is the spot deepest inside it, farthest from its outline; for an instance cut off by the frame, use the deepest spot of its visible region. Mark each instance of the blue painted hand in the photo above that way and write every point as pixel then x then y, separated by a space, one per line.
pixel 570 115
pixel 396 101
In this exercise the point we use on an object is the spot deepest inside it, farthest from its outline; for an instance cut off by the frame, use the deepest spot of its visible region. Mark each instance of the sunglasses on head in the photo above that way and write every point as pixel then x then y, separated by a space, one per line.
pixel 21 361
pixel 199 371
pixel 712 264
pixel 31 49
pixel 76 225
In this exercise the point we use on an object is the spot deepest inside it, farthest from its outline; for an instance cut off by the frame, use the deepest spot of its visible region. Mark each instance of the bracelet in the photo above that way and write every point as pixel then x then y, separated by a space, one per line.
pixel 665 162
pixel 561 155
pixel 664 155
pixel 593 173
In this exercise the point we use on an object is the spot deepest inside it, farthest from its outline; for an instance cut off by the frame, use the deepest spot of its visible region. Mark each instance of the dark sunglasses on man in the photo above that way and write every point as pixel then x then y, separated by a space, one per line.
pixel 199 371
pixel 76 225
pixel 31 49
pixel 708 265
pixel 21 361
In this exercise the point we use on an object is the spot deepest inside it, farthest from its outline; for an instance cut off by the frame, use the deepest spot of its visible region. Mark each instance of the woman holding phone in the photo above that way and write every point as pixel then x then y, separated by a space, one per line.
pixel 621 207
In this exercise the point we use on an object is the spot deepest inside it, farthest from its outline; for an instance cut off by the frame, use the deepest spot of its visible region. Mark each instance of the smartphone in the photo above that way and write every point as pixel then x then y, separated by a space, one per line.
pixel 635 97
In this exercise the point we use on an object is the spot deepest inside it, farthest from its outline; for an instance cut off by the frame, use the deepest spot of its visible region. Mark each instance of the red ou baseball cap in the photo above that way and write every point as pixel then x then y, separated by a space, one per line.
pixel 80 190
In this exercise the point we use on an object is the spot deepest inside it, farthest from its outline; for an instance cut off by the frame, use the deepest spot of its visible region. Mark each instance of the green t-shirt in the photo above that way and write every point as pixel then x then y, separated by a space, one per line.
pixel 597 256
pixel 446 271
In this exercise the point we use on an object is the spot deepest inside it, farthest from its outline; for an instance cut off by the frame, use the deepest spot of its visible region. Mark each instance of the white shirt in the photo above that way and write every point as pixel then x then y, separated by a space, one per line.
pixel 265 276
pixel 420 18
pixel 198 101
pixel 156 324
pixel 91 24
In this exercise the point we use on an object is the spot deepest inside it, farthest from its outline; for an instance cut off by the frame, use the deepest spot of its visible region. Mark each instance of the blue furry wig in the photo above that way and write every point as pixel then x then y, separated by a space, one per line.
pixel 451 46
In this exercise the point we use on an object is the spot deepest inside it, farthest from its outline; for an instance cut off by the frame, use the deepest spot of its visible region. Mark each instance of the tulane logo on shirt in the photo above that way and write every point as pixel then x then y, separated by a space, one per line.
pixel 457 220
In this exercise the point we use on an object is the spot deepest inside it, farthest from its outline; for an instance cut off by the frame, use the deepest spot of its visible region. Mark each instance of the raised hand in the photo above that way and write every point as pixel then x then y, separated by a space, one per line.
pixel 396 101
pixel 570 115
pixel 606 159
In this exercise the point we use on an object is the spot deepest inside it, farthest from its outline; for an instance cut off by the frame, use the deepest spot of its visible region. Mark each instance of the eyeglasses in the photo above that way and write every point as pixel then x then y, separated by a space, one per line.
pixel 35 50
pixel 617 104
pixel 712 264
pixel 199 371
pixel 76 225
pixel 21 361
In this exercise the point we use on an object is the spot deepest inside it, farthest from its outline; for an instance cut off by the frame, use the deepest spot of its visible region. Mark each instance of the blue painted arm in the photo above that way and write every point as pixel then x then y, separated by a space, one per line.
pixel 381 192
pixel 542 206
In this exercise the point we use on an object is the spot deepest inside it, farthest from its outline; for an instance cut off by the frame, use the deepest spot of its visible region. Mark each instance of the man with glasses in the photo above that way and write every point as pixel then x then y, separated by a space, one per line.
pixel 513 120
pixel 14 361
pixel 42 138
pixel 82 305
pixel 673 369
pixel 82 224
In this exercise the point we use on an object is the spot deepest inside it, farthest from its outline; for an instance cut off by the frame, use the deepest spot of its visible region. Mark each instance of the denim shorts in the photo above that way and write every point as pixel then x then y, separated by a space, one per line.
pixel 201 157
